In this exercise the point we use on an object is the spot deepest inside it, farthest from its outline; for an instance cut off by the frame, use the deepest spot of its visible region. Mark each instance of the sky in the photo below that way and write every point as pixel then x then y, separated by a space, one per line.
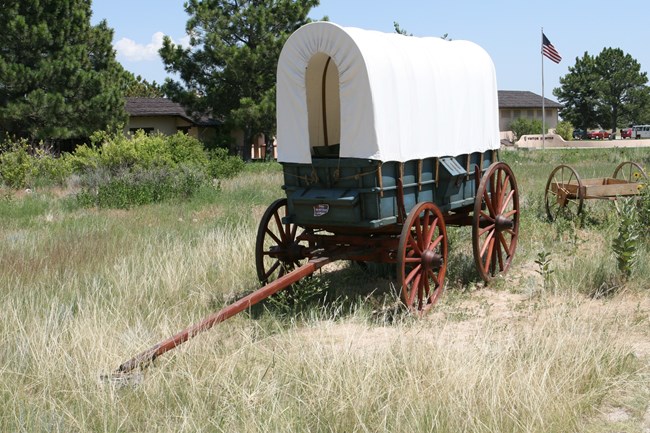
pixel 509 30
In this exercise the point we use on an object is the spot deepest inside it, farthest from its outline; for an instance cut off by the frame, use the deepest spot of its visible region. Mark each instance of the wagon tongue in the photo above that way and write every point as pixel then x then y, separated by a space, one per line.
pixel 124 373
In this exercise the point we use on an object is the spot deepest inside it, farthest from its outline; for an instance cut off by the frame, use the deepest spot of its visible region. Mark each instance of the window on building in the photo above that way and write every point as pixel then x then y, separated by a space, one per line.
pixel 183 129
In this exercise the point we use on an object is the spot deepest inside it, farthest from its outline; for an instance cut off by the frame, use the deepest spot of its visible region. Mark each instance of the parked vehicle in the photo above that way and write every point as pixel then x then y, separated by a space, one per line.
pixel 599 134
pixel 641 131
pixel 579 134
pixel 626 133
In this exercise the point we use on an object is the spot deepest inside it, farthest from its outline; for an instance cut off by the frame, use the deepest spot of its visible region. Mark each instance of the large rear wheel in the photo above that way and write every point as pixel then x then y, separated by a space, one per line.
pixel 495 223
pixel 422 257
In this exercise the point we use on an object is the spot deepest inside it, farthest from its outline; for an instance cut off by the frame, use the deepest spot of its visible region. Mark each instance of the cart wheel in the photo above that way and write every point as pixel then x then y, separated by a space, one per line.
pixel 278 250
pixel 564 193
pixel 631 172
pixel 495 223
pixel 422 257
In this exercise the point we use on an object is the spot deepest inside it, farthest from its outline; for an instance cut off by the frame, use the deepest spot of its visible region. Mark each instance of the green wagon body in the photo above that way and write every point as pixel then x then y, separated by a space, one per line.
pixel 363 193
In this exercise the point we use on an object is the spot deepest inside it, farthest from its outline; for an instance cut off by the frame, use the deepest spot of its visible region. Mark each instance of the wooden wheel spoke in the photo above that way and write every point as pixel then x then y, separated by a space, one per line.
pixel 431 231
pixel 414 272
pixel 504 242
pixel 488 202
pixel 414 245
pixel 482 231
pixel 272 269
pixel 488 217
pixel 273 236
pixel 414 288
pixel 433 245
pixel 506 201
pixel 279 226
pixel 488 259
pixel 499 257
pixel 434 278
pixel 487 241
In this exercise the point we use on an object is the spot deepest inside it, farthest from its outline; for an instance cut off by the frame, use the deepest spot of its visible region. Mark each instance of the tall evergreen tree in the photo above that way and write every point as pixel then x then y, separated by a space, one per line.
pixel 607 90
pixel 578 95
pixel 229 69
pixel 621 85
pixel 59 79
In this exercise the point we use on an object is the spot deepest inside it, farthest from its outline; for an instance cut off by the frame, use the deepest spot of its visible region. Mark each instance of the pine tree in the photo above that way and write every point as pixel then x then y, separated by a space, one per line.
pixel 229 69
pixel 59 80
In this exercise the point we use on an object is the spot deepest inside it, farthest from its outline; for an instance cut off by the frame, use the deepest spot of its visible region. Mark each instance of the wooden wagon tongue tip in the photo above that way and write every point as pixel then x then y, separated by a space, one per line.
pixel 119 379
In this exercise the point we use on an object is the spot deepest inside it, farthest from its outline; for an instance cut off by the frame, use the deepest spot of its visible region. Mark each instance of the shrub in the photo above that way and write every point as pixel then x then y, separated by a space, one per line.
pixel 22 166
pixel 626 244
pixel 16 165
pixel 565 130
pixel 117 152
pixel 122 172
pixel 135 187
pixel 222 166
pixel 525 127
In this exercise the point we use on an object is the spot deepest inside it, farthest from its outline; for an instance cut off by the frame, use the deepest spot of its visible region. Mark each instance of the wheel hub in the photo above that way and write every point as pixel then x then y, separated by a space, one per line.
pixel 502 223
pixel 290 253
pixel 431 260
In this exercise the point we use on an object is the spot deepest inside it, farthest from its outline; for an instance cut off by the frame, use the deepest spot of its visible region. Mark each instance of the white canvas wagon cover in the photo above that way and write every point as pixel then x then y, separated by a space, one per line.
pixel 383 96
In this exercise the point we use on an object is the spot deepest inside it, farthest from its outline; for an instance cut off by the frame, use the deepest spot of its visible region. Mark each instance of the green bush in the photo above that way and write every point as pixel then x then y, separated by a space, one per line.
pixel 122 172
pixel 523 126
pixel 16 165
pixel 135 187
pixel 222 166
pixel 117 152
pixel 565 130
pixel 22 166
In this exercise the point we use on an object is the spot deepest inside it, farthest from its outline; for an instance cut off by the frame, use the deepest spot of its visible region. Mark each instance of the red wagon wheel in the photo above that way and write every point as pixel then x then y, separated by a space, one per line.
pixel 564 193
pixel 631 172
pixel 278 250
pixel 495 223
pixel 422 257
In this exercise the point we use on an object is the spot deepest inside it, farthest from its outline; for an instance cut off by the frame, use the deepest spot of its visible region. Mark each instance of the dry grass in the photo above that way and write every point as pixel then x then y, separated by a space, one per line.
pixel 83 291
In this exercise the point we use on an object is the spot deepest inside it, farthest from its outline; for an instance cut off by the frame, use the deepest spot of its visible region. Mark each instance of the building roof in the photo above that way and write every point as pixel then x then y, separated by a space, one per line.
pixel 155 107
pixel 524 99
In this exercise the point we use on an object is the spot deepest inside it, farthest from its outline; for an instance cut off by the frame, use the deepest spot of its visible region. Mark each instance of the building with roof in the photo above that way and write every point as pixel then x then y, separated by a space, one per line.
pixel 167 117
pixel 516 104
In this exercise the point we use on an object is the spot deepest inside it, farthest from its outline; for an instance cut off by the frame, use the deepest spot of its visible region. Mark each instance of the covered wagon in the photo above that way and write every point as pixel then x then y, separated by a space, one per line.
pixel 385 139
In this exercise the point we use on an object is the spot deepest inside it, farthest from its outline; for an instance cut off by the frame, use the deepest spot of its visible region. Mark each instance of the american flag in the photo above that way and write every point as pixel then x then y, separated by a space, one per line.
pixel 549 50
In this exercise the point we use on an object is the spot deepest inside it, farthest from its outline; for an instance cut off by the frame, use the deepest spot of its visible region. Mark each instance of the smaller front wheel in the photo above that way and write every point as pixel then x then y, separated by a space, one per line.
pixel 422 257
pixel 278 248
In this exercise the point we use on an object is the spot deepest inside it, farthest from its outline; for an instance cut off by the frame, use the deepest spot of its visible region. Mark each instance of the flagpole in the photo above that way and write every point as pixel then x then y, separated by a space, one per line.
pixel 543 105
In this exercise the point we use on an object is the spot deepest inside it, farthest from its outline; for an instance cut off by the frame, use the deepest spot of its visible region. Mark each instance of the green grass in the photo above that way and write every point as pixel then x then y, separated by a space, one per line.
pixel 82 290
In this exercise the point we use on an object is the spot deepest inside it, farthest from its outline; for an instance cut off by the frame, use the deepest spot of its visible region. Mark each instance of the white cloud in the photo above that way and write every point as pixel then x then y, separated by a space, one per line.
pixel 128 49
